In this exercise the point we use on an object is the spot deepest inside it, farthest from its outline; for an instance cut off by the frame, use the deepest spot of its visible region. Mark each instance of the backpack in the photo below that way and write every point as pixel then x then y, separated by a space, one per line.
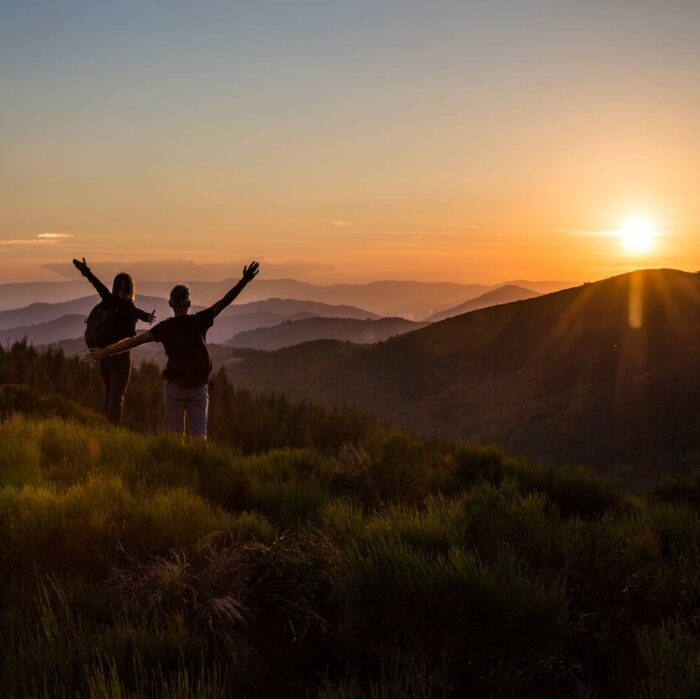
pixel 100 326
pixel 189 364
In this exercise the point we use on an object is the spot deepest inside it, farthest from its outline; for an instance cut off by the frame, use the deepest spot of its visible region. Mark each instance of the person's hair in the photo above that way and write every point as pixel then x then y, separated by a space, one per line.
pixel 180 296
pixel 123 285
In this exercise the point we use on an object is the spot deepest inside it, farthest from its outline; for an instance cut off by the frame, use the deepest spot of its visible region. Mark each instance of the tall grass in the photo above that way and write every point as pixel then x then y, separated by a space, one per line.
pixel 390 566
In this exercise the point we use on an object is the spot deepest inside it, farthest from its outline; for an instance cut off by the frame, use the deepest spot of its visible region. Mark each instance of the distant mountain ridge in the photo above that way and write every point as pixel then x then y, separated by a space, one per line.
pixel 46 323
pixel 407 299
pixel 504 294
pixel 68 326
pixel 294 332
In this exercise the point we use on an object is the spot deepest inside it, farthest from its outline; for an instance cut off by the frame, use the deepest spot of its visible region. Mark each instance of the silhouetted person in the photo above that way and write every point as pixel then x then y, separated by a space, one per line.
pixel 186 375
pixel 113 319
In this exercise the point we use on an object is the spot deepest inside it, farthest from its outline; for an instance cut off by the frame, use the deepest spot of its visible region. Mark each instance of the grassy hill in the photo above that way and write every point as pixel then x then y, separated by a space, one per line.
pixel 135 565
pixel 605 374
pixel 304 552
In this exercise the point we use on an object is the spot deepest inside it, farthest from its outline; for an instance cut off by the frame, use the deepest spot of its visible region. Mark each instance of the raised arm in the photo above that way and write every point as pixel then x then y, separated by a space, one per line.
pixel 124 345
pixel 249 274
pixel 102 290
pixel 146 317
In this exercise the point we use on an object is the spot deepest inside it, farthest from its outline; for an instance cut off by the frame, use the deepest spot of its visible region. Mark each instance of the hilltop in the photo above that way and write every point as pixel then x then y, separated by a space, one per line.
pixel 606 374
pixel 504 294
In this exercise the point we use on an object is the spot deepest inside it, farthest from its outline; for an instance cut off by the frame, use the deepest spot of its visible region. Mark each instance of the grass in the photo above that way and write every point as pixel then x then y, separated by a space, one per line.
pixel 138 565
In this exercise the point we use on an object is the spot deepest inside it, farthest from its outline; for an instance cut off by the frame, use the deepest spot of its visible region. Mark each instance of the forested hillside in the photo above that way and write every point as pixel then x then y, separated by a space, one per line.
pixel 246 421
pixel 605 375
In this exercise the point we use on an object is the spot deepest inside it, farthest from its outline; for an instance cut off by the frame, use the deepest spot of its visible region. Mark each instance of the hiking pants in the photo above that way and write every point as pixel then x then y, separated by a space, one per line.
pixel 186 409
pixel 116 372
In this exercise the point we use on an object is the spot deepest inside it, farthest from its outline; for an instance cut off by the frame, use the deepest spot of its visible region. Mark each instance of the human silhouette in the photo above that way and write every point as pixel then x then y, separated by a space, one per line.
pixel 186 394
pixel 116 316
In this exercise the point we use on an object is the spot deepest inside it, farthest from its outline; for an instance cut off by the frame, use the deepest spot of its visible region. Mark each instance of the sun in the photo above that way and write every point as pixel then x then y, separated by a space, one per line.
pixel 637 235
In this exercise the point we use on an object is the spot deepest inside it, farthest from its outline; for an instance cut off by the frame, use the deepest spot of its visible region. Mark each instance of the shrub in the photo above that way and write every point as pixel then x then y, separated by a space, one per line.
pixel 447 605
pixel 265 606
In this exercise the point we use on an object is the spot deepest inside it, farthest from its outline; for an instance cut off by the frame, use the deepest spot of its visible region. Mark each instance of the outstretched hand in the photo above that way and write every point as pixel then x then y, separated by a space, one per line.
pixel 89 357
pixel 250 272
pixel 151 317
pixel 82 266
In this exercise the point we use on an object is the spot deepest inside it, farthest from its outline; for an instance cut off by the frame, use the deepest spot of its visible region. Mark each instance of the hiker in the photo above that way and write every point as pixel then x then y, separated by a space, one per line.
pixel 184 337
pixel 113 319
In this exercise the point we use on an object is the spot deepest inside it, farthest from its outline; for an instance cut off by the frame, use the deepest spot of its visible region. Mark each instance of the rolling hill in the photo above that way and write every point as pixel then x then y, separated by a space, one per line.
pixel 294 332
pixel 54 322
pixel 65 327
pixel 504 294
pixel 606 374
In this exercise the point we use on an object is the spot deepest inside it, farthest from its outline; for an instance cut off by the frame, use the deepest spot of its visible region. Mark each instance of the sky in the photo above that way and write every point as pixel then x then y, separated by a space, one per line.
pixel 462 141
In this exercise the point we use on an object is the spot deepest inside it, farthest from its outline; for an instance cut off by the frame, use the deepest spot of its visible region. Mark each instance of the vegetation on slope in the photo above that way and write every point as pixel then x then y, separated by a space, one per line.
pixel 365 562
pixel 387 566
pixel 602 375
pixel 237 418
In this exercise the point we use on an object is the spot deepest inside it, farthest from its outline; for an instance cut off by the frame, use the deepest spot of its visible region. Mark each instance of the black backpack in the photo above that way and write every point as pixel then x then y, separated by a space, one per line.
pixel 101 325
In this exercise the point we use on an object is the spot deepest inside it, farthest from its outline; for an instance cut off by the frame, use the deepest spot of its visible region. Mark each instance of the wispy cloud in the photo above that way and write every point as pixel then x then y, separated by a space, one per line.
pixel 339 223
pixel 38 239
pixel 27 241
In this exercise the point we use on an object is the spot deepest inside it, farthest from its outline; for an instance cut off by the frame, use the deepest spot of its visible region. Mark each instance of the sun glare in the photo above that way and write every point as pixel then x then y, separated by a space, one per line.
pixel 637 235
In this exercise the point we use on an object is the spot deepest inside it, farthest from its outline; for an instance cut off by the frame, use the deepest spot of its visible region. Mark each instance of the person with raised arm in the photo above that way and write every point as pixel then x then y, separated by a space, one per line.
pixel 184 337
pixel 111 320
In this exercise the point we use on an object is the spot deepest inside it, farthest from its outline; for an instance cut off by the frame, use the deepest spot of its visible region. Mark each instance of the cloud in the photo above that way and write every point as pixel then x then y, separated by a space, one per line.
pixel 339 223
pixel 27 241
pixel 39 239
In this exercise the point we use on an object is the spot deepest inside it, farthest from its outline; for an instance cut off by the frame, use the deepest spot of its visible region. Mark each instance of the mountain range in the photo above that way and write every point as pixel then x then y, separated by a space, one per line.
pixel 406 299
pixel 45 323
pixel 606 374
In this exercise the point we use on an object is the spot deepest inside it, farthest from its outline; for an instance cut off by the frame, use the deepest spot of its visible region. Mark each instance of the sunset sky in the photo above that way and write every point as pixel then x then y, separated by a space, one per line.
pixel 464 141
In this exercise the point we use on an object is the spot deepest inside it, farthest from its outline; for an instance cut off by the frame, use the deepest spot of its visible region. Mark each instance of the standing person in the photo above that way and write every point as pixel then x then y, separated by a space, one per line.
pixel 184 336
pixel 113 319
